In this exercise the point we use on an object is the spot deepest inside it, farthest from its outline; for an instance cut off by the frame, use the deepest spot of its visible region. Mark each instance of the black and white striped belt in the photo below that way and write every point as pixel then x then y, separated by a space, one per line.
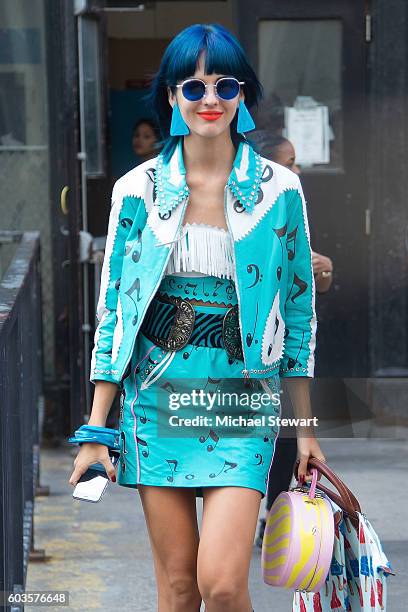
pixel 172 322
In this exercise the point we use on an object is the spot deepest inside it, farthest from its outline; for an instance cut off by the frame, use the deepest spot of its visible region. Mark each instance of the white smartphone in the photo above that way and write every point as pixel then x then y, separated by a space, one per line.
pixel 92 484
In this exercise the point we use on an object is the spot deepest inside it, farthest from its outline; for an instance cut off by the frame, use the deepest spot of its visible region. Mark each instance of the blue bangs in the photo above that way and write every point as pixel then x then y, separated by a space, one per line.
pixel 223 55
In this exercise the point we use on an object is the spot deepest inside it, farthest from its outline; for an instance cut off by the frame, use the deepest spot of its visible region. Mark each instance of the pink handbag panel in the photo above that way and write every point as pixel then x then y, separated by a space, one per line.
pixel 298 540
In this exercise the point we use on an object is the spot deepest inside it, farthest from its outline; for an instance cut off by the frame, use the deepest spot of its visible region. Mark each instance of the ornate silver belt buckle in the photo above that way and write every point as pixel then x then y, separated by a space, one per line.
pixel 182 326
pixel 231 334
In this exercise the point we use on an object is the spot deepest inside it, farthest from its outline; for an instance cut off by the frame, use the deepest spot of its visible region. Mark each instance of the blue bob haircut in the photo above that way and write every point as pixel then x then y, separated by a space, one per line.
pixel 223 55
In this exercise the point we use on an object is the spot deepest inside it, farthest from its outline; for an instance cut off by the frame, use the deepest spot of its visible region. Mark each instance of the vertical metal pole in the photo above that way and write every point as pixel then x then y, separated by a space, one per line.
pixel 82 158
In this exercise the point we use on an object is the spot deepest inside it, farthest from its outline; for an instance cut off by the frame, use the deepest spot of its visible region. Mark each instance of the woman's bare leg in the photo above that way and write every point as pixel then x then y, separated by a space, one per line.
pixel 171 520
pixel 227 534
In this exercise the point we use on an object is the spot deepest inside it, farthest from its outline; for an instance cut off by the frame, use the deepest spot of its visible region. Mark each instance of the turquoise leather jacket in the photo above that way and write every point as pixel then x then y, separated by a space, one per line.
pixel 265 212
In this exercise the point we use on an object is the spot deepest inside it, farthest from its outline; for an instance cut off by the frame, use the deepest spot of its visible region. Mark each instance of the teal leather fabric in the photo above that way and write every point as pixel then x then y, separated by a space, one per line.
pixel 206 455
pixel 266 215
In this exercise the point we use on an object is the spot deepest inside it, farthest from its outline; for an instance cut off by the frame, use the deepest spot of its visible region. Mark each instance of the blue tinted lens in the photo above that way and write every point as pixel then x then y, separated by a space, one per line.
pixel 227 89
pixel 193 90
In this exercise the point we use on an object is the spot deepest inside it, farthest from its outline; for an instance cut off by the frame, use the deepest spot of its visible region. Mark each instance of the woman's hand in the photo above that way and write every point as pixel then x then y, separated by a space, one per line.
pixel 321 263
pixel 308 447
pixel 322 271
pixel 92 452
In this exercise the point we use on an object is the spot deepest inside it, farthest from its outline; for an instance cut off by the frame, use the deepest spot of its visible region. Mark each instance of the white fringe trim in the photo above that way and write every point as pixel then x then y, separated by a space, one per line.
pixel 203 248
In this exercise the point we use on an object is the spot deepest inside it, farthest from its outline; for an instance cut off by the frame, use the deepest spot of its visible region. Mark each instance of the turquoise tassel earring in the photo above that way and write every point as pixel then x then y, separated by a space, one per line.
pixel 245 121
pixel 178 126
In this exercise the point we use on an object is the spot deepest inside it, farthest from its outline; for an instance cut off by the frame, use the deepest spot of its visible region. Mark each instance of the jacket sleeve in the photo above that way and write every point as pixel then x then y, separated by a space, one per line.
pixel 300 314
pixel 120 222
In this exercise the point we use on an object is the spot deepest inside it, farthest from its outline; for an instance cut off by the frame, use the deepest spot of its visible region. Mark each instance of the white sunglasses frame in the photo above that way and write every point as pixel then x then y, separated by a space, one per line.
pixel 215 88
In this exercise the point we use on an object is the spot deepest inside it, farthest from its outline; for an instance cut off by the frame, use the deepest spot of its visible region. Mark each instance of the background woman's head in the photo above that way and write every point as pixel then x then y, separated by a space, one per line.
pixel 207 51
pixel 281 151
pixel 145 136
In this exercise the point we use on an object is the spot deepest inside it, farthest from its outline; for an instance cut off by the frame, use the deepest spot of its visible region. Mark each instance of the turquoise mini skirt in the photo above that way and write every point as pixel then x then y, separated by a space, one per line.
pixel 188 418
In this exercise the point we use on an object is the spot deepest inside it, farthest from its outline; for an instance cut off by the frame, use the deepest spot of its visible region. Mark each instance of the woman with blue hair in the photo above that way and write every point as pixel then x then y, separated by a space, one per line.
pixel 206 293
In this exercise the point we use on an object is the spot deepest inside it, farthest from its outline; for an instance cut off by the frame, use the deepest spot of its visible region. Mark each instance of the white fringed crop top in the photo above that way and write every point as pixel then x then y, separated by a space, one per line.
pixel 202 250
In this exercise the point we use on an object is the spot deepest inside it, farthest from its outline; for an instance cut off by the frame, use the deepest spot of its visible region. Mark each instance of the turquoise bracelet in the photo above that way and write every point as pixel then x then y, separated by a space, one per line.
pixel 101 435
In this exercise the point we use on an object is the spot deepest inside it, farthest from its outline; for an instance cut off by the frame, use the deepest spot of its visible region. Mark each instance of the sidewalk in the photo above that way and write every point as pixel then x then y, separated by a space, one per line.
pixel 100 552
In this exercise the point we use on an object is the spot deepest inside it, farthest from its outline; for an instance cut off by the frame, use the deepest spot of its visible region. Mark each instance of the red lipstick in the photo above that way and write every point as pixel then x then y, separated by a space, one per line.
pixel 210 115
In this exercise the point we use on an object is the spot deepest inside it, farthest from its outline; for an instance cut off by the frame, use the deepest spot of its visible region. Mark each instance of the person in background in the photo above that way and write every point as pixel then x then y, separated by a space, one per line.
pixel 145 143
pixel 145 139
pixel 282 151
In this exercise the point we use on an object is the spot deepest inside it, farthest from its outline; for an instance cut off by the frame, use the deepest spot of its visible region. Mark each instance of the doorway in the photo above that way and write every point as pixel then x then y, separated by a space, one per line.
pixel 311 60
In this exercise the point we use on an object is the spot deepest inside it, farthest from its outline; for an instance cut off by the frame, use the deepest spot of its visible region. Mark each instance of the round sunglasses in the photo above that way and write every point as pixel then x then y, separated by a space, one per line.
pixel 226 88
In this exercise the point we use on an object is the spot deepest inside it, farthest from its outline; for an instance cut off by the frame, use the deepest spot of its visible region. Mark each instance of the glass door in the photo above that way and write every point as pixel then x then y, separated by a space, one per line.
pixel 311 61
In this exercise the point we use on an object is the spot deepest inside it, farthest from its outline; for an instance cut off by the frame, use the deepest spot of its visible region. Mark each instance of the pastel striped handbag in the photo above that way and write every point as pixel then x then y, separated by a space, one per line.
pixel 299 537
pixel 359 569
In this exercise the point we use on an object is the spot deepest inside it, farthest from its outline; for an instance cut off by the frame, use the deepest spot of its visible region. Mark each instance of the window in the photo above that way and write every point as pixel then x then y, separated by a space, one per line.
pixel 300 69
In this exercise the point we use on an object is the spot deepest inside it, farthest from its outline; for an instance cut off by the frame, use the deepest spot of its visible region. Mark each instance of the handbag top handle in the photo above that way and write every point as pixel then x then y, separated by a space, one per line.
pixel 345 500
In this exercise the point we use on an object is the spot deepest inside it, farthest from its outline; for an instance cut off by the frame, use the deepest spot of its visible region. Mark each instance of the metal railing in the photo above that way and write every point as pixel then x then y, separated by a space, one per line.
pixel 20 406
